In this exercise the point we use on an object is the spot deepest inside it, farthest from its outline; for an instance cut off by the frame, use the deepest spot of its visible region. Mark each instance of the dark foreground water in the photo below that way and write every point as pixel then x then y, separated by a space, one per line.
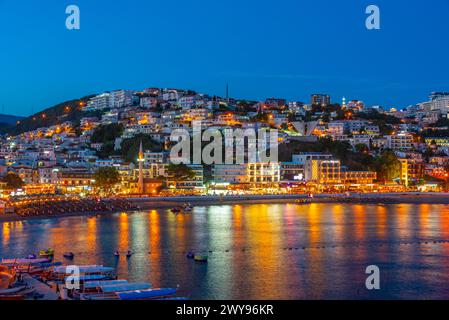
pixel 259 251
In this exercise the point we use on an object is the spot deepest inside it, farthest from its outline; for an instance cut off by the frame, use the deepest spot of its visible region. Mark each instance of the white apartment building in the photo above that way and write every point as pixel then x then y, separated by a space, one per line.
pixel 438 101
pixel 336 128
pixel 263 173
pixel 121 98
pixel 148 102
pixel 401 141
pixel 188 102
pixel 230 173
pixel 99 102
pixel 154 158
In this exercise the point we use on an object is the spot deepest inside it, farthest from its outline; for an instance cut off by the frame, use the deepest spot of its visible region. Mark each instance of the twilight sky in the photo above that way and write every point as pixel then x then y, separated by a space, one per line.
pixel 282 48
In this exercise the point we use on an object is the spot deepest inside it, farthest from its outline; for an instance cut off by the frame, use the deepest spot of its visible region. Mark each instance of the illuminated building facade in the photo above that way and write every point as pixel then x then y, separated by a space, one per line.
pixel 411 171
pixel 320 99
pixel 263 174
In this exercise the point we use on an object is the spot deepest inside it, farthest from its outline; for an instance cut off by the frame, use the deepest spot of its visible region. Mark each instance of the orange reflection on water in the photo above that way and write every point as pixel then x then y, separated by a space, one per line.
pixel 444 222
pixel 154 230
pixel 237 217
pixel 314 219
pixel 92 233
pixel 6 233
pixel 381 214
pixel 403 216
pixel 265 244
pixel 123 232
pixel 424 219
pixel 338 225
pixel 315 254
pixel 360 221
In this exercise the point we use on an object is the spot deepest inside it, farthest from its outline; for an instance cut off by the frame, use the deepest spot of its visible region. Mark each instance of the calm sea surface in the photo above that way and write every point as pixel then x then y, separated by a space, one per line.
pixel 284 251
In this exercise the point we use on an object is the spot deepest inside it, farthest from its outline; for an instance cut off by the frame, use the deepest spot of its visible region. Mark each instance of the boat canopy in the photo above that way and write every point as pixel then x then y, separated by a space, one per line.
pixel 23 261
pixel 49 264
pixel 125 287
pixel 146 294
pixel 98 284
pixel 90 277
pixel 85 269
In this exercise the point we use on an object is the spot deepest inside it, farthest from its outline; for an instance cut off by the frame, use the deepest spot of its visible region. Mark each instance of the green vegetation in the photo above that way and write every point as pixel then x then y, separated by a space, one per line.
pixel 382 120
pixel 180 172
pixel 338 149
pixel 106 178
pixel 107 134
pixel 13 181
pixel 442 122
pixel 429 133
pixel 130 147
pixel 387 166
pixel 66 111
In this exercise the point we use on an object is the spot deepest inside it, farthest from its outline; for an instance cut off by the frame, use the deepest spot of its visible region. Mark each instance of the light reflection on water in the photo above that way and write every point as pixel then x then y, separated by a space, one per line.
pixel 263 251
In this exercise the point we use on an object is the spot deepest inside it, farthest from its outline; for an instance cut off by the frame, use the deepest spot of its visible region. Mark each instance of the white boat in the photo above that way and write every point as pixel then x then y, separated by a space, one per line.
pixel 109 291
pixel 87 269
pixel 148 294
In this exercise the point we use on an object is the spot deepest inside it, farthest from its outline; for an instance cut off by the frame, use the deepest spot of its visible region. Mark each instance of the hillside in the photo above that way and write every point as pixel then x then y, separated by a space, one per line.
pixel 8 119
pixel 66 111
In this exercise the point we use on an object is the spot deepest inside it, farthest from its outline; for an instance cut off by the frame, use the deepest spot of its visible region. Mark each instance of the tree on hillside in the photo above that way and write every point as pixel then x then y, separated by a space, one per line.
pixel 387 166
pixel 180 172
pixel 107 133
pixel 67 111
pixel 13 181
pixel 106 178
pixel 130 147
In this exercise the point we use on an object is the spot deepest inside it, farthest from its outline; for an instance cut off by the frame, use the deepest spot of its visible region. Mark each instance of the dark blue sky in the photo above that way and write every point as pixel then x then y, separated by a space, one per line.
pixel 283 48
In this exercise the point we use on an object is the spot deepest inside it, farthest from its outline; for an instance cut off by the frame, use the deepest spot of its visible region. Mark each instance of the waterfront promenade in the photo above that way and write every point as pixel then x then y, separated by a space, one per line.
pixel 148 203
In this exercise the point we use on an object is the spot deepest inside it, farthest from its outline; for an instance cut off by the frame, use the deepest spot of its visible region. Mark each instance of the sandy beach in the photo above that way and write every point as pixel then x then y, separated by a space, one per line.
pixel 171 202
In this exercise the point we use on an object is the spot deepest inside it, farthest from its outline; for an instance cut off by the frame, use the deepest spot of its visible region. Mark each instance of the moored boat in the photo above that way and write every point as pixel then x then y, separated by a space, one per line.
pixel 47 253
pixel 69 255
pixel 199 258
pixel 149 294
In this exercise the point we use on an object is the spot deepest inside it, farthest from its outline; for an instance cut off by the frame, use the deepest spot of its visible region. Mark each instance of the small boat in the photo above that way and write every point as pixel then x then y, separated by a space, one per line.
pixel 190 255
pixel 199 258
pixel 69 255
pixel 47 253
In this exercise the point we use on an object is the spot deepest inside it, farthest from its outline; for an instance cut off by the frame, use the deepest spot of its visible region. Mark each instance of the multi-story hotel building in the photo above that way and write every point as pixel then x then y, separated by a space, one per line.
pixel 320 99
pixel 121 98
pixel 401 141
pixel 263 174
pixel 99 102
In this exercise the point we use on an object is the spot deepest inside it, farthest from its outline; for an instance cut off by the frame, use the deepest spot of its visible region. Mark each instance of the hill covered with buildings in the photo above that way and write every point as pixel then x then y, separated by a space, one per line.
pixel 323 145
